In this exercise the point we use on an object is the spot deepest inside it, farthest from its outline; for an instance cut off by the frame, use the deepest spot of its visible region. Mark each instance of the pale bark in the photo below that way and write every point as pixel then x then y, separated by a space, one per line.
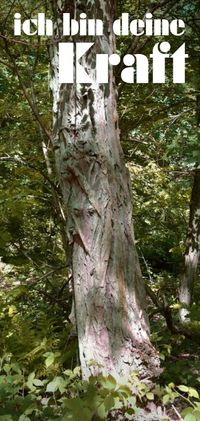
pixel 112 324
pixel 192 253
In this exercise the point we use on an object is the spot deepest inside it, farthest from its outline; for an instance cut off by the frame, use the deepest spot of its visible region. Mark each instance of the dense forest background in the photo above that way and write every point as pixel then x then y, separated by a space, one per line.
pixel 159 126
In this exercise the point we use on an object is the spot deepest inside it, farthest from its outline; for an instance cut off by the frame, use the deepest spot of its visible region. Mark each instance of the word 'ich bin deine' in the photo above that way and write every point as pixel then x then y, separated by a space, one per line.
pixel 136 67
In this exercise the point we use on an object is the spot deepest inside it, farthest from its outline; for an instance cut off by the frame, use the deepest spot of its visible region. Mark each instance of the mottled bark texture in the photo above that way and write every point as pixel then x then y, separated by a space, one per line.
pixel 113 330
pixel 192 253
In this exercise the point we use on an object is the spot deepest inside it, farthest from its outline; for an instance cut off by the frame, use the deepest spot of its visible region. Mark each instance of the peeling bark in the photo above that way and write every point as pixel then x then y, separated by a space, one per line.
pixel 113 329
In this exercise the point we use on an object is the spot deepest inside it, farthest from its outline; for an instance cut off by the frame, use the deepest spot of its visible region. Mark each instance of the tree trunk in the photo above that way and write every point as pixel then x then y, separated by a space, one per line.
pixel 112 325
pixel 192 253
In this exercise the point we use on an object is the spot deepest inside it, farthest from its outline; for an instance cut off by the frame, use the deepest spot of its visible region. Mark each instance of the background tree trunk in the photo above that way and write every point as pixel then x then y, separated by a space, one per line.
pixel 112 324
pixel 191 257
pixel 192 253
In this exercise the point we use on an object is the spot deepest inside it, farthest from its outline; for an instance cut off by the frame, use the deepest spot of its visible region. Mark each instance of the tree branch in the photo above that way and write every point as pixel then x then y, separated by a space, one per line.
pixel 32 167
pixel 166 312
pixel 31 103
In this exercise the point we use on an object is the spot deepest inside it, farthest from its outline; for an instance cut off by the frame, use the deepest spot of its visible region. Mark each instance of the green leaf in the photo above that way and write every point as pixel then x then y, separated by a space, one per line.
pixel 37 382
pixel 190 417
pixel 150 396
pixel 85 415
pixel 125 391
pixel 16 368
pixel 117 403
pixel 50 360
pixel 171 385
pixel 109 403
pixel 6 418
pixel 101 412
pixel 53 386
pixel 74 405
pixel 58 383
pixel 132 401
pixel 77 371
pixel 108 382
pixel 183 388
pixel 76 410
pixel 68 417
pixel 24 418
pixel 166 399
pixel 187 411
pixel 162 356
pixel 68 373
pixel 29 382
pixel 193 393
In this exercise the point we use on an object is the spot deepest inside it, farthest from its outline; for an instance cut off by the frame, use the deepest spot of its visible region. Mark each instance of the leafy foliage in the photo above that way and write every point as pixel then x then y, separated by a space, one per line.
pixel 67 397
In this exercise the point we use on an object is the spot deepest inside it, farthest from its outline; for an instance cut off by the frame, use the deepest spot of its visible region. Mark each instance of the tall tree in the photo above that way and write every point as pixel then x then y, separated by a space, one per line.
pixel 192 251
pixel 112 324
